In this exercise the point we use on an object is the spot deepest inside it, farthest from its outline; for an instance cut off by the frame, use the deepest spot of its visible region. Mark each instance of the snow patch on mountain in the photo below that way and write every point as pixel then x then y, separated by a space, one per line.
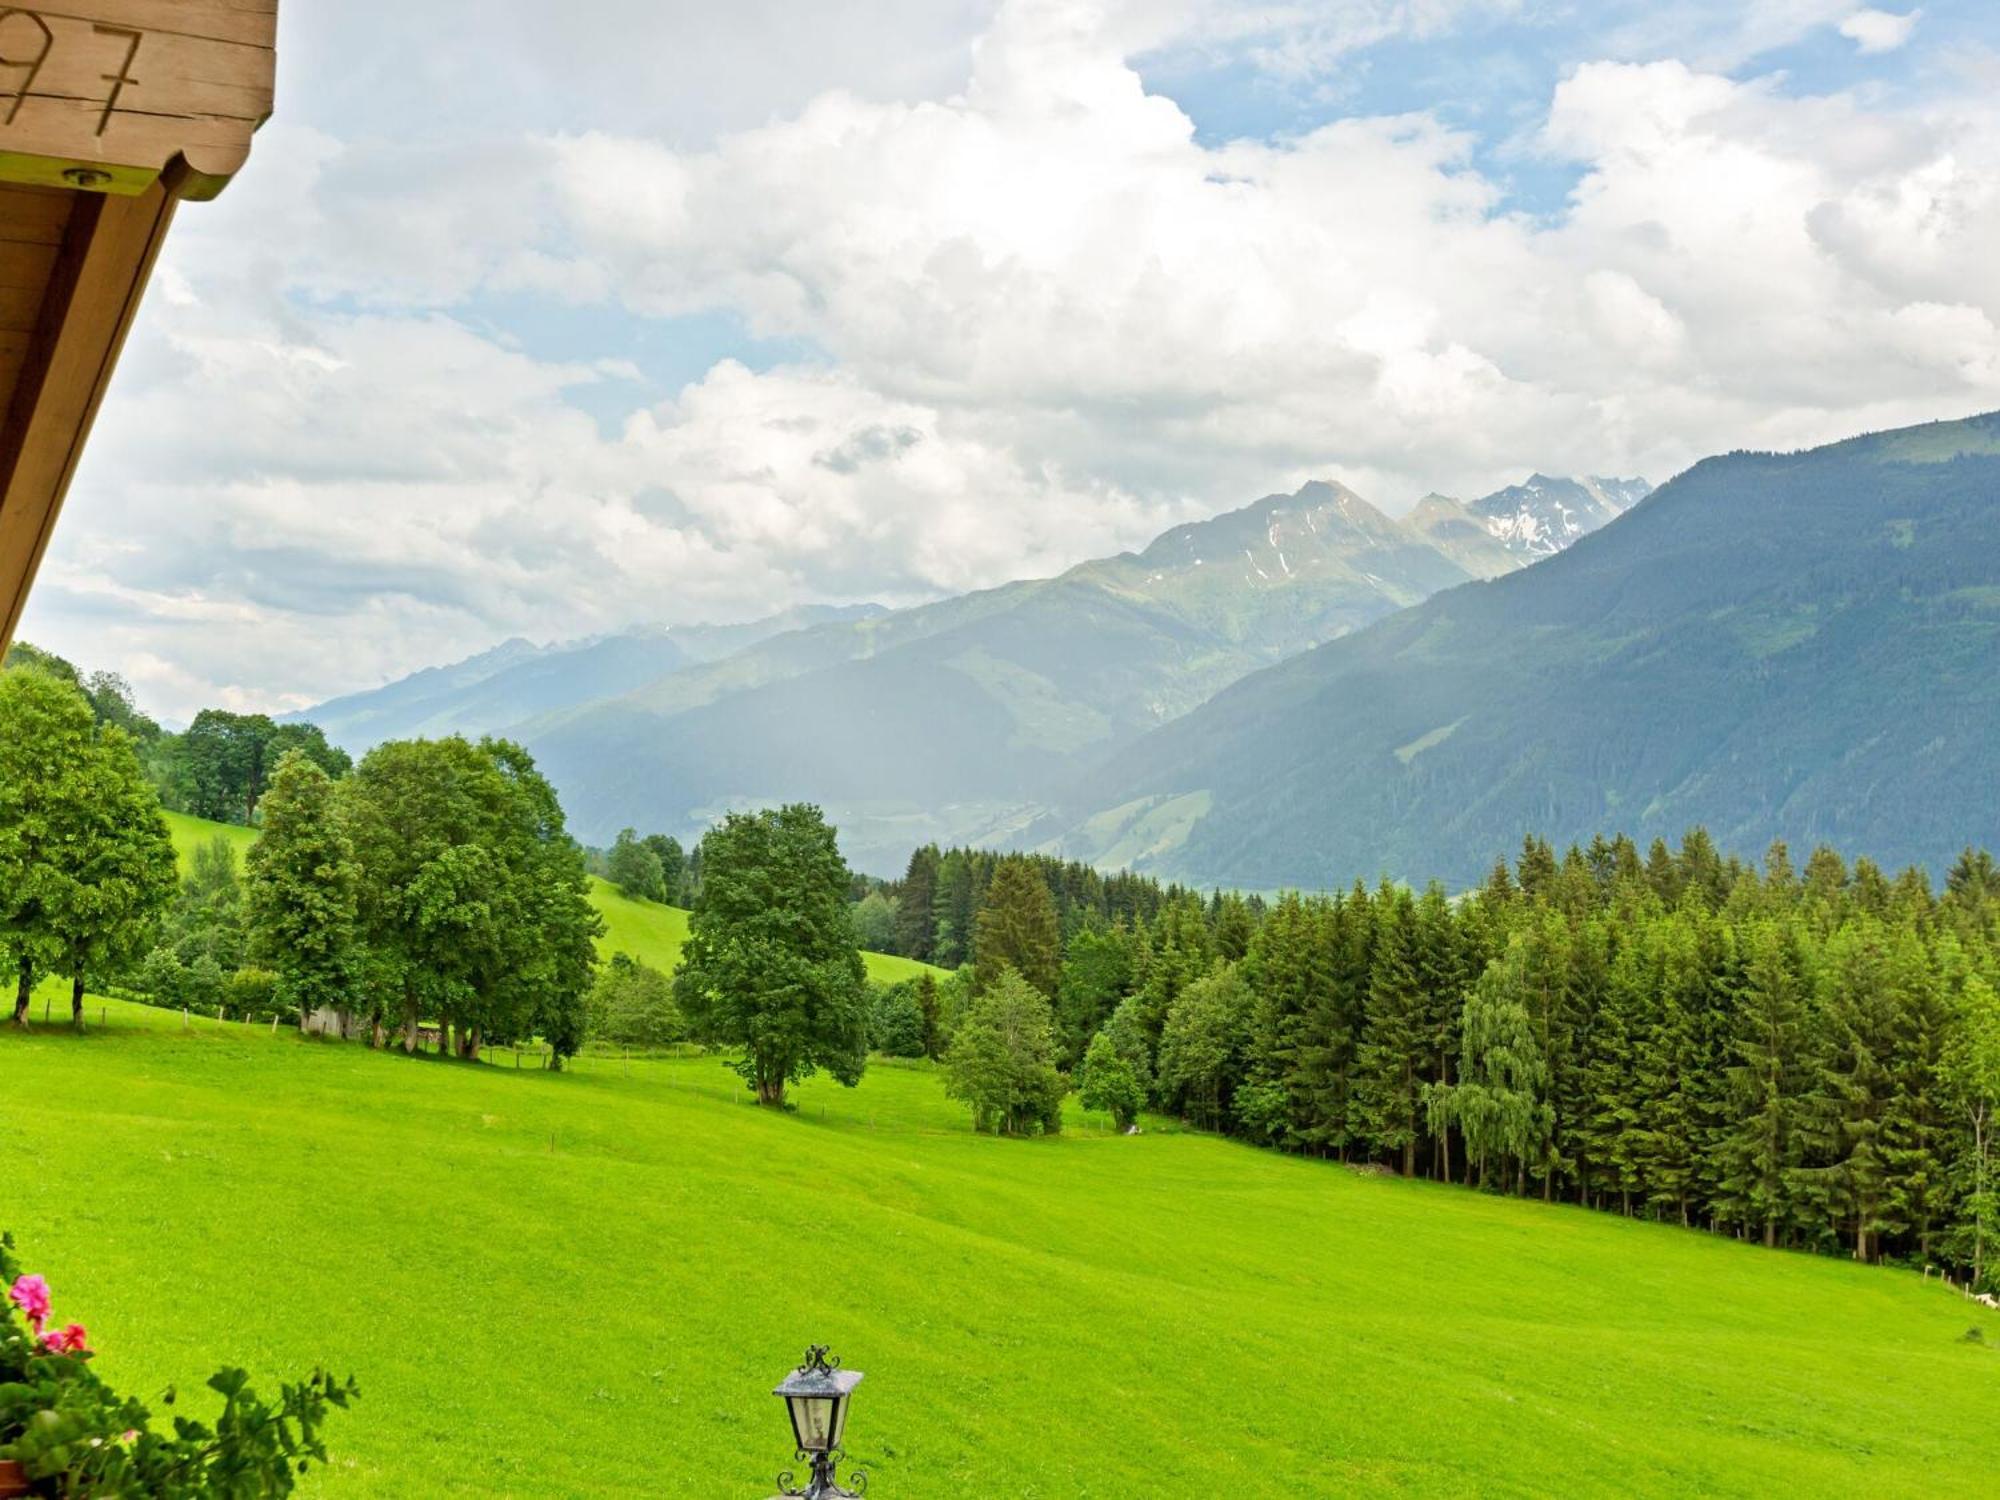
pixel 1543 514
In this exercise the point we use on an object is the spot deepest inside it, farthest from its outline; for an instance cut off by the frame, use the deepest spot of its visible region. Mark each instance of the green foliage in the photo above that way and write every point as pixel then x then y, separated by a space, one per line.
pixel 896 1019
pixel 1971 1067
pixel 1203 1046
pixel 1500 1101
pixel 1002 1060
pixel 875 922
pixel 1096 975
pixel 302 890
pixel 771 965
pixel 635 868
pixel 252 994
pixel 86 863
pixel 73 1435
pixel 1018 930
pixel 1108 1081
pixel 219 767
pixel 472 901
pixel 632 1003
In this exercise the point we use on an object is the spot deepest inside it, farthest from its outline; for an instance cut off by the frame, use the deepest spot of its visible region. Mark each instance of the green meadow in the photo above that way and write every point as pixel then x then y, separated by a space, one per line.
pixel 586 1283
pixel 645 930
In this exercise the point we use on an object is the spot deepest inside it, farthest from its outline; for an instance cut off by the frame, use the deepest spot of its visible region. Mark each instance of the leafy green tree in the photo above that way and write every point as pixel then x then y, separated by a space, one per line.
pixel 300 891
pixel 1017 929
pixel 673 865
pixel 205 984
pixel 1002 1060
pixel 930 1016
pixel 1096 975
pixel 1972 1072
pixel 541 983
pixel 635 868
pixel 163 977
pixel 633 1003
pixel 120 871
pixel 895 1021
pixel 1203 1044
pixel 771 965
pixel 85 860
pixel 1499 1101
pixel 251 994
pixel 45 737
pixel 207 915
pixel 473 901
pixel 875 922
pixel 1107 1081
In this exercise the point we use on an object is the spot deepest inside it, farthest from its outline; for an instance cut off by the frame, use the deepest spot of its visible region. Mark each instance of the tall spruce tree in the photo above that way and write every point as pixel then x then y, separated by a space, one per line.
pixel 1017 929
pixel 1394 1047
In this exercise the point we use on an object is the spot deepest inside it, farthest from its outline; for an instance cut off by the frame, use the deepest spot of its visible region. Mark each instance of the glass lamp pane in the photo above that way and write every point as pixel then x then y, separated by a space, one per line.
pixel 812 1419
pixel 839 1420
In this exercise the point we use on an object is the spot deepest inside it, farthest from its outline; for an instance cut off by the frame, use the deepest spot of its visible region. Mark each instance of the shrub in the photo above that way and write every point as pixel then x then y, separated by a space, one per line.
pixel 896 1021
pixel 251 994
pixel 1109 1082
pixel 164 978
pixel 73 1435
pixel 1002 1060
pixel 633 1003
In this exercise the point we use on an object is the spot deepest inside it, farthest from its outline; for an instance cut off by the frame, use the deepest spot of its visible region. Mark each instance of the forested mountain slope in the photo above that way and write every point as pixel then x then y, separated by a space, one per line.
pixel 1800 645
pixel 518 679
pixel 952 720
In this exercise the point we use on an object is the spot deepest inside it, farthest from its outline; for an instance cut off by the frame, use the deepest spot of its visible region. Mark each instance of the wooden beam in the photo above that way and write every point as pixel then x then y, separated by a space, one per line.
pixel 111 112
pixel 100 270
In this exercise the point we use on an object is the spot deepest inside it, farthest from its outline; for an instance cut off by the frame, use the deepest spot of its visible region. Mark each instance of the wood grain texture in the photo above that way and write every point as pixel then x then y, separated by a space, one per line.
pixel 95 282
pixel 32 222
pixel 128 86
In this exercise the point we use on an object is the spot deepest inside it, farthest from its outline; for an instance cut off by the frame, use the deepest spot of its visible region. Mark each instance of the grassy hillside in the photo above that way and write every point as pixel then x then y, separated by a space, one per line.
pixel 586 1284
pixel 646 930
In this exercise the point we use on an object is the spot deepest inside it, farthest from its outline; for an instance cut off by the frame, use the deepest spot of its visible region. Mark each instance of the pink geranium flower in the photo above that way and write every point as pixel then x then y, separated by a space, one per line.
pixel 31 1295
pixel 70 1340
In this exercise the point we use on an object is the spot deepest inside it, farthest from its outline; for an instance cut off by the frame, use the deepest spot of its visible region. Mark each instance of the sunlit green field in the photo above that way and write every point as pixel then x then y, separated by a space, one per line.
pixel 586 1283
pixel 645 930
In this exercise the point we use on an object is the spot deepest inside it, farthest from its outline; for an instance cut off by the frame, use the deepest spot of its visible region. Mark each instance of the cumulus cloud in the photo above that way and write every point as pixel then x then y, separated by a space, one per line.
pixel 1035 317
pixel 1880 30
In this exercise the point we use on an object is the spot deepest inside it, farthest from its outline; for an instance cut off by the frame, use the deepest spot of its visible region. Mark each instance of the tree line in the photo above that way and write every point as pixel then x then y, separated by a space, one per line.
pixel 1806 1058
pixel 218 768
pixel 435 882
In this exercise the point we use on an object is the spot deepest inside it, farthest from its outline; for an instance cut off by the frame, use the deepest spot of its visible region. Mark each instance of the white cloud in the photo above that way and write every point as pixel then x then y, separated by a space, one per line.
pixel 1880 30
pixel 1045 321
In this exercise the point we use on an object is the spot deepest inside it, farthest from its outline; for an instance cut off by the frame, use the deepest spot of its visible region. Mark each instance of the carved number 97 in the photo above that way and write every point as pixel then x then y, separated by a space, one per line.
pixel 26 32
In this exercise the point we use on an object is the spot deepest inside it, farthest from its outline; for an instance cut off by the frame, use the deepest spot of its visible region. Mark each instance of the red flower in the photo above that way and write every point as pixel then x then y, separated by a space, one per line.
pixel 70 1340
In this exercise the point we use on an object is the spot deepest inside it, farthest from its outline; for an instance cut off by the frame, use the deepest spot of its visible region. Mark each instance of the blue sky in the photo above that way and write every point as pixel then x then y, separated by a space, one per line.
pixel 548 321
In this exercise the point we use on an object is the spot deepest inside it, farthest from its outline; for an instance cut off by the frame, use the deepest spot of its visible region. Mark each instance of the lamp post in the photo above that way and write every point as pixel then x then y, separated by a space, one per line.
pixel 816 1396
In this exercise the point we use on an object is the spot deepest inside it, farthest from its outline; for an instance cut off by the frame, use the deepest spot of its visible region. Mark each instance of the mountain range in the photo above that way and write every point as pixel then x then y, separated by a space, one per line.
pixel 959 719
pixel 1801 646
pixel 516 680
